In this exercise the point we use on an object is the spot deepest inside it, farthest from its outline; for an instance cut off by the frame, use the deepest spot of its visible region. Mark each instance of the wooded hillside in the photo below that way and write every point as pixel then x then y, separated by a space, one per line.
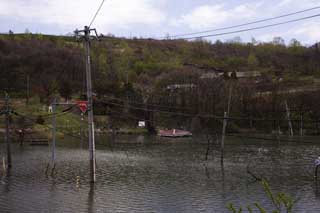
pixel 171 81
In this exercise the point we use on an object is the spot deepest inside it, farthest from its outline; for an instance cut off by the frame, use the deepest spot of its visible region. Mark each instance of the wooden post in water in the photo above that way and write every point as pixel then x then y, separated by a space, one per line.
pixel 279 133
pixel 223 135
pixel 28 89
pixel 4 165
pixel 54 126
pixel 301 125
pixel 8 142
pixel 251 122
pixel 317 164
pixel 289 120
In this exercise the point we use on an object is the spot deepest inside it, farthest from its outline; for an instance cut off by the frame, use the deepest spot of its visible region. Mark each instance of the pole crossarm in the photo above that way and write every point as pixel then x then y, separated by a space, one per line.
pixel 85 34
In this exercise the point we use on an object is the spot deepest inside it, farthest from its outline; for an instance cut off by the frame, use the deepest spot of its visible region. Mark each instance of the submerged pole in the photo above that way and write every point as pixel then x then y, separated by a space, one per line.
pixel 53 145
pixel 289 120
pixel 223 135
pixel 317 164
pixel 90 106
pixel 301 125
pixel 92 158
pixel 7 137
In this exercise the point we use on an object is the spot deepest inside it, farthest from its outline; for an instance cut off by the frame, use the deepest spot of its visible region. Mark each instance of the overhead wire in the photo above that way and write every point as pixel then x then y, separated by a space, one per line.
pixel 246 24
pixel 57 114
pixel 120 115
pixel 45 125
pixel 111 98
pixel 202 115
pixel 147 104
pixel 94 17
pixel 181 36
pixel 155 110
pixel 270 139
pixel 249 29
pixel 229 134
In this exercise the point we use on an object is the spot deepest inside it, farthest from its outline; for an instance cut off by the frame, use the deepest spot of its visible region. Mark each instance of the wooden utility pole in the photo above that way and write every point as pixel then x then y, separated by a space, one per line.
pixel 229 99
pixel 92 155
pixel 28 89
pixel 301 125
pixel 54 105
pixel 223 135
pixel 289 120
pixel 86 39
pixel 225 120
pixel 54 126
pixel 8 142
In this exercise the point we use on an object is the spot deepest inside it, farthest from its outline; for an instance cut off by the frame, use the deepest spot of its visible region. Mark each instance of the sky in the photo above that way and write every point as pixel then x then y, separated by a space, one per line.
pixel 159 18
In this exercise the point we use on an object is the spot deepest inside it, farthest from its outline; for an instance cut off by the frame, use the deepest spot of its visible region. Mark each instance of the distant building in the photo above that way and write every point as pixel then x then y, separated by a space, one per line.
pixel 211 75
pixel 245 74
pixel 180 86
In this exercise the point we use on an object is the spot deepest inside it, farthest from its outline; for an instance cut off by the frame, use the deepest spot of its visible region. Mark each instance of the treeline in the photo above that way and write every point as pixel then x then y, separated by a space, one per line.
pixel 170 82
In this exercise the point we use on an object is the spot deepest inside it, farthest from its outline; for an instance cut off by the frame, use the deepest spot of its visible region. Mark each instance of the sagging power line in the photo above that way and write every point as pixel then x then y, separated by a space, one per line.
pixel 234 118
pixel 250 29
pixel 244 24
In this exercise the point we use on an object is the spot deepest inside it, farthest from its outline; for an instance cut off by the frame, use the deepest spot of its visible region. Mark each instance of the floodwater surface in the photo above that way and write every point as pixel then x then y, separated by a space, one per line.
pixel 148 174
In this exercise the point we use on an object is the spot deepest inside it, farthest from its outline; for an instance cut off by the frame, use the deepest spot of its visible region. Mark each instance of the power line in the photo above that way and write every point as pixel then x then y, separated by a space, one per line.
pixel 45 125
pixel 94 17
pixel 48 116
pixel 245 24
pixel 189 108
pixel 146 104
pixel 230 32
pixel 120 115
pixel 270 139
pixel 162 111
pixel 251 29
pixel 202 115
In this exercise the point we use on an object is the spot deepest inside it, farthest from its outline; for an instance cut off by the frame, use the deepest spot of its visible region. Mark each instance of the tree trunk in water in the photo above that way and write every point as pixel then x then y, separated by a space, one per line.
pixel 149 120
pixel 289 120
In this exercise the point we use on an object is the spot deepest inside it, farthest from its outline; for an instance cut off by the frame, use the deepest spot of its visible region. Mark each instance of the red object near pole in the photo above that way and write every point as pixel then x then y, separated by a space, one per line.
pixel 83 105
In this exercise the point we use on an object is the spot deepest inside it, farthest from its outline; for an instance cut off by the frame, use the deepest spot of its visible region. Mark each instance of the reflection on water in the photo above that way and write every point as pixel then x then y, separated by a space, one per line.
pixel 91 198
pixel 158 175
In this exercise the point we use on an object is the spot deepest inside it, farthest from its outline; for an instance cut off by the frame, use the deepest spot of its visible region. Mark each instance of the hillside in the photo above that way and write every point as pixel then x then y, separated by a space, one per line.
pixel 136 79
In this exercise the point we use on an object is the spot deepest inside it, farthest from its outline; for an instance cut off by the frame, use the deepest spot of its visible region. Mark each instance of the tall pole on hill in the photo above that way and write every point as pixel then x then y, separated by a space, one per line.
pixel 86 38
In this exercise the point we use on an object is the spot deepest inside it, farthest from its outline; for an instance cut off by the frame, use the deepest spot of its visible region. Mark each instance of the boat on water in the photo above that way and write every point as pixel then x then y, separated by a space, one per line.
pixel 174 133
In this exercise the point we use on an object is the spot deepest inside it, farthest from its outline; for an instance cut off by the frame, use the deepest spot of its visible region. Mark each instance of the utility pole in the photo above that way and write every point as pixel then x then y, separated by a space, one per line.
pixel 289 120
pixel 86 38
pixel 301 124
pixel 54 105
pixel 28 89
pixel 54 126
pixel 225 119
pixel 90 107
pixel 8 142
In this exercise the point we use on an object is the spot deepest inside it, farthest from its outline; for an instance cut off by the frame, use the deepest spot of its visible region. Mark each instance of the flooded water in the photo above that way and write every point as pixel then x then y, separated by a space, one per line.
pixel 151 175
